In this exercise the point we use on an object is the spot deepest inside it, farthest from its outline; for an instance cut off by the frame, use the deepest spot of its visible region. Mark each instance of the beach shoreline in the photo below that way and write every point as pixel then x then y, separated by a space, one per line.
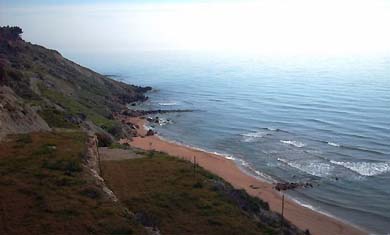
pixel 316 222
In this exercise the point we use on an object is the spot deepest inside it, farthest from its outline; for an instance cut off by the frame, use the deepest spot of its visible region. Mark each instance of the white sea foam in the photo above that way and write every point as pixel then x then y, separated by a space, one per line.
pixel 252 136
pixel 167 103
pixel 227 156
pixel 333 144
pixel 241 162
pixel 293 143
pixel 246 167
pixel 316 168
pixel 365 168
pixel 163 121
pixel 313 208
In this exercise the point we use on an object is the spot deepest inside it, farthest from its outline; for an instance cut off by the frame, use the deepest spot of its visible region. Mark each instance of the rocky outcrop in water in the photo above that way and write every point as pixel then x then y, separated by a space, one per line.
pixel 139 113
pixel 150 132
pixel 290 186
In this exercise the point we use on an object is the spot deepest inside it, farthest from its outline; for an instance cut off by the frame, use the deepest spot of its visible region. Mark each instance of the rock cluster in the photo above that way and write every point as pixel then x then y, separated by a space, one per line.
pixel 150 132
pixel 139 113
pixel 289 186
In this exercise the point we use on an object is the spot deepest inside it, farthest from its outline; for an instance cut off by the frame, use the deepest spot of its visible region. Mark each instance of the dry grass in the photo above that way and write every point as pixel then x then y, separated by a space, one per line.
pixel 164 192
pixel 45 190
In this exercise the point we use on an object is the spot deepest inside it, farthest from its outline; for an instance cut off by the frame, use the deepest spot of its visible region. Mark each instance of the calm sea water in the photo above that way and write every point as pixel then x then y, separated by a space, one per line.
pixel 319 120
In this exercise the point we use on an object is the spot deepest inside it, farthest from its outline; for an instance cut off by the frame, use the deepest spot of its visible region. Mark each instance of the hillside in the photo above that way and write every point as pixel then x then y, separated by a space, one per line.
pixel 46 189
pixel 54 179
pixel 60 91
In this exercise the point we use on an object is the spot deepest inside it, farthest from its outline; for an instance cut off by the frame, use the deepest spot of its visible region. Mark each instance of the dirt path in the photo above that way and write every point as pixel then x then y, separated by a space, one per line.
pixel 107 154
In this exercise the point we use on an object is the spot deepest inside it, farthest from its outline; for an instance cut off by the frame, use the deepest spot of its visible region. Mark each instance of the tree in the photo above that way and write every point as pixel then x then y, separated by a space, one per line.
pixel 10 33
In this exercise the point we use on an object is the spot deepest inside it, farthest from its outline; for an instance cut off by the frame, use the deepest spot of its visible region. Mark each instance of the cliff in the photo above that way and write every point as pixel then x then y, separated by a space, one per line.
pixel 55 92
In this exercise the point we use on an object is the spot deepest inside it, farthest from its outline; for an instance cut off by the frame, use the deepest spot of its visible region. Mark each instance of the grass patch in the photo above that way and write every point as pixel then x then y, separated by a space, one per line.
pixel 164 192
pixel 117 145
pixel 55 118
pixel 45 190
pixel 24 139
pixel 74 107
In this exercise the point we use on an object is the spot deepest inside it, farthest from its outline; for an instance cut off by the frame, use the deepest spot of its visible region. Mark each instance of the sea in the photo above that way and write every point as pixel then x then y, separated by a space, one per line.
pixel 321 120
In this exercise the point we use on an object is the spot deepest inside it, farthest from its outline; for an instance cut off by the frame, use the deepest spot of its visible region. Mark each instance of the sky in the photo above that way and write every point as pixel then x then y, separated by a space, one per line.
pixel 276 27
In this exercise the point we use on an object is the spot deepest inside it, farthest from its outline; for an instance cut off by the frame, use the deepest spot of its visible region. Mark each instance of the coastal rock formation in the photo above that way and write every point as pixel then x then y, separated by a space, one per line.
pixel 139 113
pixel 150 132
pixel 290 186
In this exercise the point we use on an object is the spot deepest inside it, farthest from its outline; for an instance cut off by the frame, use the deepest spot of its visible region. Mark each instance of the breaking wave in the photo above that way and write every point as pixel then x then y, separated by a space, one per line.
pixel 315 168
pixel 252 136
pixel 365 168
pixel 333 144
pixel 167 103
pixel 293 143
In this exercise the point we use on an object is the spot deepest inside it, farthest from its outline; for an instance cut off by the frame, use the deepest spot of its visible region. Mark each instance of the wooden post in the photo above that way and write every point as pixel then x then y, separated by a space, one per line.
pixel 281 221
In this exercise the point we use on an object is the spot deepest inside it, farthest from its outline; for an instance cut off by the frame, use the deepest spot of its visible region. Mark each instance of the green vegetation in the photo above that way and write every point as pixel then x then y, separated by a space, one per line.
pixel 165 192
pixel 55 118
pixel 68 94
pixel 74 108
pixel 116 145
pixel 45 190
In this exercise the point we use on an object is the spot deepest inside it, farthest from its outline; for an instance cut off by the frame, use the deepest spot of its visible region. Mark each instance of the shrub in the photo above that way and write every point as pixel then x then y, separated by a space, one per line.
pixel 24 139
pixel 68 166
pixel 104 140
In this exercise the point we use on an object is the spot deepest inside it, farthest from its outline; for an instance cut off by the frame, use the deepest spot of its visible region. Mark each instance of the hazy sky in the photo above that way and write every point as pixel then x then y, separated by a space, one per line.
pixel 329 27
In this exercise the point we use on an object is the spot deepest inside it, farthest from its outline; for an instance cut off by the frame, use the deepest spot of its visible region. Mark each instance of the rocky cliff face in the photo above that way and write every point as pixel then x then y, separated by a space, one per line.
pixel 16 117
pixel 63 93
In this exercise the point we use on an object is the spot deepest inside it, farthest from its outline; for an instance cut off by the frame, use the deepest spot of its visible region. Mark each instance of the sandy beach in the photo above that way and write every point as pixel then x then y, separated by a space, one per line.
pixel 303 217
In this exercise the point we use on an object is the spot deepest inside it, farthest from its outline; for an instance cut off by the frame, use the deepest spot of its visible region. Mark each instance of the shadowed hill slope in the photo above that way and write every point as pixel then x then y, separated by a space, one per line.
pixel 61 91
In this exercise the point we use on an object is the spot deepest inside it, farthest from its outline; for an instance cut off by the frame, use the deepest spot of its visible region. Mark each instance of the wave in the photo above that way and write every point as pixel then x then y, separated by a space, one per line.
pixel 265 131
pixel 224 155
pixel 336 204
pixel 164 121
pixel 246 167
pixel 351 147
pixel 365 168
pixel 216 100
pixel 315 168
pixel 333 144
pixel 293 143
pixel 252 136
pixel 274 129
pixel 167 103
pixel 362 149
